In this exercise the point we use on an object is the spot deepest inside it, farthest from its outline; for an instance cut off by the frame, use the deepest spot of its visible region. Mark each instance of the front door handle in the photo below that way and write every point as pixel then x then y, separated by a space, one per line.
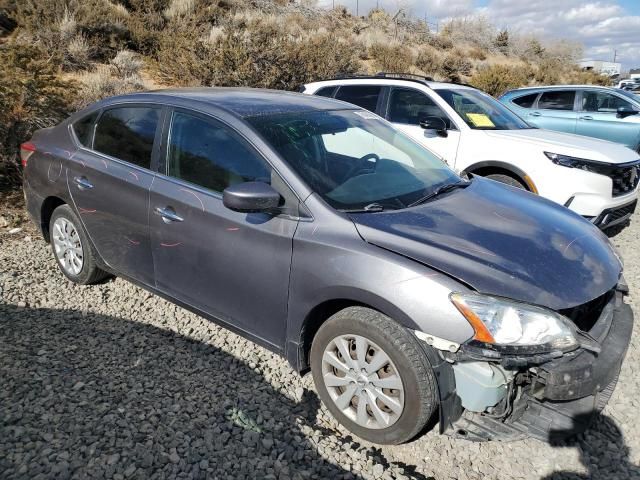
pixel 83 183
pixel 535 114
pixel 586 117
pixel 168 214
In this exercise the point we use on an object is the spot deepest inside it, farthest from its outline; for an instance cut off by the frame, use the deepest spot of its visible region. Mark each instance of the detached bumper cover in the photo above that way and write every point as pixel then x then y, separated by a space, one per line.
pixel 564 394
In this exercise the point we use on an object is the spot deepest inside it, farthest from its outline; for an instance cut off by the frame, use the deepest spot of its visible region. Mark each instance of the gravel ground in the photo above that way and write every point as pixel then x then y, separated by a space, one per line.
pixel 109 381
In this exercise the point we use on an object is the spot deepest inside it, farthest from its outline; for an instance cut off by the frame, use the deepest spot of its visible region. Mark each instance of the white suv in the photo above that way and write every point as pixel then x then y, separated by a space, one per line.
pixel 475 133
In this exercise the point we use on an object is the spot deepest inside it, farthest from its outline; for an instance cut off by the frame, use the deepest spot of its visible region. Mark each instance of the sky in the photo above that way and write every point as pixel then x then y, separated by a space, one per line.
pixel 602 26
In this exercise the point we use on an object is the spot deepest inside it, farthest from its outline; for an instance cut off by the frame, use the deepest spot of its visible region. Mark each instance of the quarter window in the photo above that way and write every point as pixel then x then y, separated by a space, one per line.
pixel 602 102
pixel 207 153
pixel 525 101
pixel 410 106
pixel 326 92
pixel 83 128
pixel 365 96
pixel 127 133
pixel 554 100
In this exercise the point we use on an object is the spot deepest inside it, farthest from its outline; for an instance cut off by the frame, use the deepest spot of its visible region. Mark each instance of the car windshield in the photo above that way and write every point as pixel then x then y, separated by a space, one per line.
pixel 480 111
pixel 353 159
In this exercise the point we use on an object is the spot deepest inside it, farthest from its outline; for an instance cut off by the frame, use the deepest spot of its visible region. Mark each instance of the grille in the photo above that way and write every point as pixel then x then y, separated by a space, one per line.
pixel 621 212
pixel 625 179
pixel 586 315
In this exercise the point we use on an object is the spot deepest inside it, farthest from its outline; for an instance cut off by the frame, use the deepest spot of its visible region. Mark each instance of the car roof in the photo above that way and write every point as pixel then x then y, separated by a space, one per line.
pixel 242 102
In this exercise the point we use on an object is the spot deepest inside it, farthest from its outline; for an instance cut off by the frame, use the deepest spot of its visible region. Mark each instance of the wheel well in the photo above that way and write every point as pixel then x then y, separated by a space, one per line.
pixel 315 319
pixel 484 171
pixel 48 206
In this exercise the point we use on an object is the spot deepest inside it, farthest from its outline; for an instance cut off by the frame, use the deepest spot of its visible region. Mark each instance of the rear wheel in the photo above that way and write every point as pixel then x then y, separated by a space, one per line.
pixel 507 179
pixel 373 376
pixel 71 248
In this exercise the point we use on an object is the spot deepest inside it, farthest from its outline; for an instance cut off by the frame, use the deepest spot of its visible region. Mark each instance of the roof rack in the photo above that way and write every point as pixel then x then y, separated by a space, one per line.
pixel 410 77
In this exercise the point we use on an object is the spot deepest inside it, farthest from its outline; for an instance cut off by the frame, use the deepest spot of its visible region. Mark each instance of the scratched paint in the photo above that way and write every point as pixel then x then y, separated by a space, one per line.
pixel 232 229
pixel 195 195
pixel 86 210
pixel 132 242
pixel 134 175
pixel 170 244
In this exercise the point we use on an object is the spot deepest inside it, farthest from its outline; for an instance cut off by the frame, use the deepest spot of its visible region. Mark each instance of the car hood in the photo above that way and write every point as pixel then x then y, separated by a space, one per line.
pixel 501 241
pixel 568 144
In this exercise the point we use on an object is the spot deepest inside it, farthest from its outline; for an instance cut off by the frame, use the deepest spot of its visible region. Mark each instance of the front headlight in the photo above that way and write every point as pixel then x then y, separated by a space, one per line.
pixel 515 326
pixel 580 163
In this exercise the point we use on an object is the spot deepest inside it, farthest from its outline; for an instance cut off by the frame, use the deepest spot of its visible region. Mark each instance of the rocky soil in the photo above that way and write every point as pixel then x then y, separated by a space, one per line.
pixel 109 381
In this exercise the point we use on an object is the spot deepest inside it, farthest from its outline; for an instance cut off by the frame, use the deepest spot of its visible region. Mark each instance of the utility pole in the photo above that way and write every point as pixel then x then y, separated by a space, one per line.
pixel 615 55
pixel 357 15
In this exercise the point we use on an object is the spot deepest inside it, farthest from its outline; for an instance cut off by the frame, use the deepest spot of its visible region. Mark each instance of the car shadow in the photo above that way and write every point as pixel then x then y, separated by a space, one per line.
pixel 87 395
pixel 603 452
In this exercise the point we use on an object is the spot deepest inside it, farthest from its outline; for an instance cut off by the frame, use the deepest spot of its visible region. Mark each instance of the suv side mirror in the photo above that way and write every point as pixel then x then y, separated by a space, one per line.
pixel 434 123
pixel 250 197
pixel 625 111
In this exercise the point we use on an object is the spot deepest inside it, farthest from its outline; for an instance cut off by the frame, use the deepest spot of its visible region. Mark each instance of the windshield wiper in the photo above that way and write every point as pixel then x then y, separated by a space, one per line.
pixel 440 190
pixel 371 208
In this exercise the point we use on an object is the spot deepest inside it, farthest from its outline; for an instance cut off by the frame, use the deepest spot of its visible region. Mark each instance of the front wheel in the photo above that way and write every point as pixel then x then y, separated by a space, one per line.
pixel 373 376
pixel 507 179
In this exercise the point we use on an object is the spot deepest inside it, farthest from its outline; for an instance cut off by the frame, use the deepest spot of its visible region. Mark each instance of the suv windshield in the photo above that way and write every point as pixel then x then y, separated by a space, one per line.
pixel 480 111
pixel 354 159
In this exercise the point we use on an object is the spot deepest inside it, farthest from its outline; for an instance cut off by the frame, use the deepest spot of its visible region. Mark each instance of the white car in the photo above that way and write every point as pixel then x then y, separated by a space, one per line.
pixel 475 133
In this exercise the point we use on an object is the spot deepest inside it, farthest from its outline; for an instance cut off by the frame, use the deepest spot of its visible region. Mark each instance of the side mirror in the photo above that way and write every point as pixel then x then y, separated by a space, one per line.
pixel 434 123
pixel 625 111
pixel 250 197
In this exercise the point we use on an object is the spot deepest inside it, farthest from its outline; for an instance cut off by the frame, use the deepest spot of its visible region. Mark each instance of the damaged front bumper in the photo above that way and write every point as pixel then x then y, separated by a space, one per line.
pixel 488 396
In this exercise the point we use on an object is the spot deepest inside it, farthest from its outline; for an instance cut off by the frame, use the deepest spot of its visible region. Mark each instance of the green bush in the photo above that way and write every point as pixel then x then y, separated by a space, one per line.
pixel 496 79
pixel 32 96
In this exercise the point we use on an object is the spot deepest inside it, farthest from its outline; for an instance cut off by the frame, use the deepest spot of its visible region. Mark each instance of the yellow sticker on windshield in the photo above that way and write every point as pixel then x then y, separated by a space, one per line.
pixel 480 120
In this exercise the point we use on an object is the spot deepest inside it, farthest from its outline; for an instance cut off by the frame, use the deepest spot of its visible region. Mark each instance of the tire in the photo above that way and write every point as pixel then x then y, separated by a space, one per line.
pixel 507 179
pixel 407 360
pixel 78 264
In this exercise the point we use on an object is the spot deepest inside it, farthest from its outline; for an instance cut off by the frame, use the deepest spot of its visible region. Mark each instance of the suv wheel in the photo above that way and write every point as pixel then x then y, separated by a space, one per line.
pixel 71 247
pixel 507 179
pixel 373 376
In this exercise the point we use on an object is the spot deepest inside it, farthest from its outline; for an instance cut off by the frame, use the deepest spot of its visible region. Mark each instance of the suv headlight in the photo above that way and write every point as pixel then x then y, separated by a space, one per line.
pixel 581 163
pixel 514 326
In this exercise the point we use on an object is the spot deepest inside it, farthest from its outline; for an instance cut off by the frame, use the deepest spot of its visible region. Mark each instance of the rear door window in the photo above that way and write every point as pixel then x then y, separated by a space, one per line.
pixel 127 133
pixel 526 101
pixel 83 128
pixel 364 96
pixel 557 100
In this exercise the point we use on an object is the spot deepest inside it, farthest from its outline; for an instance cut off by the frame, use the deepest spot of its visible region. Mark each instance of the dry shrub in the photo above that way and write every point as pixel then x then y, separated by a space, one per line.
pixel 102 84
pixel 549 72
pixel 476 53
pixel 428 61
pixel 496 79
pixel 127 64
pixel 586 78
pixel 440 41
pixel 77 54
pixel 394 58
pixel 32 96
pixel 455 64
pixel 252 51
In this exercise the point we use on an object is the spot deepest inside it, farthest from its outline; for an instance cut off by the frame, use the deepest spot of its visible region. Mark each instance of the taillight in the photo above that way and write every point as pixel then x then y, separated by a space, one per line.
pixel 26 150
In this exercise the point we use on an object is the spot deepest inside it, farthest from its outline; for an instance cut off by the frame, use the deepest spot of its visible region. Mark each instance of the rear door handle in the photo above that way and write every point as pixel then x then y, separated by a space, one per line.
pixel 535 114
pixel 586 117
pixel 83 183
pixel 168 214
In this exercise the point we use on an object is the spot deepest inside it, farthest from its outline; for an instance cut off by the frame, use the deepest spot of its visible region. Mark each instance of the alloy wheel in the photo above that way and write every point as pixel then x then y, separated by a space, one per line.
pixel 67 246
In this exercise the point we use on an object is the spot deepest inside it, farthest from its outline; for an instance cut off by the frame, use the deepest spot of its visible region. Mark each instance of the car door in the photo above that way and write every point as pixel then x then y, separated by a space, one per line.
pixel 598 118
pixel 369 97
pixel 109 178
pixel 231 265
pixel 555 110
pixel 407 107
